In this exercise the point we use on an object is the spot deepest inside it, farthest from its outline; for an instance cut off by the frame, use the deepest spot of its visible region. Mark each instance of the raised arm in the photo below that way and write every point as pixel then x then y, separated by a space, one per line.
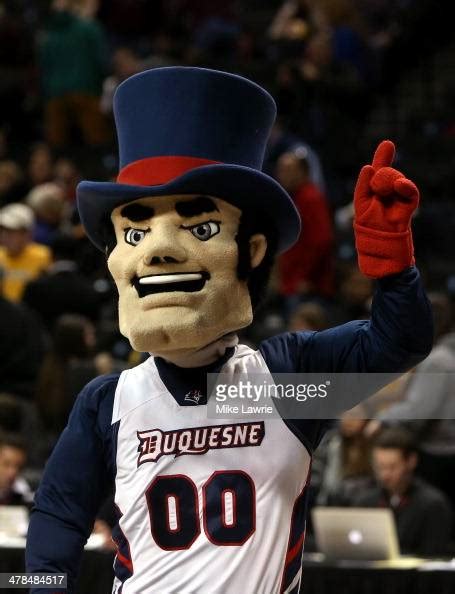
pixel 400 332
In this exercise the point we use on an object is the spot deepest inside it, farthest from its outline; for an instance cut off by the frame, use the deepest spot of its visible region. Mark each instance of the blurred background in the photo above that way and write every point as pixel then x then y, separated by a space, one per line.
pixel 345 74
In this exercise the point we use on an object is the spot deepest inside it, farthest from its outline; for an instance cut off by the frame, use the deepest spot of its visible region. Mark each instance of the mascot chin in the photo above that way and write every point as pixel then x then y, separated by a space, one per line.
pixel 190 230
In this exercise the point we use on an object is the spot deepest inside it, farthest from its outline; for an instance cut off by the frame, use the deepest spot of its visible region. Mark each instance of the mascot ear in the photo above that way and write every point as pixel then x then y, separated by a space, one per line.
pixel 258 247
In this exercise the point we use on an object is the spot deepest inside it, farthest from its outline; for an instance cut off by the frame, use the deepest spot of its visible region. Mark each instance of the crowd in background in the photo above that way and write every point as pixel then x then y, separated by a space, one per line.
pixel 345 74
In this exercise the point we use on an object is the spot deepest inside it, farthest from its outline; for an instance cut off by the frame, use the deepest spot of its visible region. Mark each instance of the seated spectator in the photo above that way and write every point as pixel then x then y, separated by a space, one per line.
pixel 310 316
pixel 63 289
pixel 48 204
pixel 422 513
pixel 67 176
pixel 19 416
pixel 66 369
pixel 342 462
pixel 21 347
pixel 21 259
pixel 354 296
pixel 12 183
pixel 14 490
pixel 282 141
pixel 308 267
pixel 428 405
pixel 293 23
pixel 40 164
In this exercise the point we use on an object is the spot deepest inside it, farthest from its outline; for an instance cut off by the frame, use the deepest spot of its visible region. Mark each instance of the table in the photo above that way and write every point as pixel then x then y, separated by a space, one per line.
pixel 319 577
pixel 95 576
pixel 324 577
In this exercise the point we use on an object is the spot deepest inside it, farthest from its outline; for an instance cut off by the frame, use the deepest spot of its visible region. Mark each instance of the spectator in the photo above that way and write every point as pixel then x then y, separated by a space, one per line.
pixel 21 347
pixel 310 316
pixel 67 175
pixel 293 24
pixel 164 52
pixel 342 462
pixel 125 63
pixel 428 406
pixel 354 296
pixel 348 35
pixel 21 259
pixel 422 513
pixel 19 416
pixel 40 164
pixel 282 141
pixel 73 64
pixel 63 289
pixel 67 368
pixel 48 204
pixel 308 267
pixel 14 490
pixel 12 185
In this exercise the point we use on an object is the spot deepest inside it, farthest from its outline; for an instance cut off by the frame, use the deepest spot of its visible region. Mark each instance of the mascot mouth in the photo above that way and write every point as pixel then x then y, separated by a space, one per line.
pixel 188 282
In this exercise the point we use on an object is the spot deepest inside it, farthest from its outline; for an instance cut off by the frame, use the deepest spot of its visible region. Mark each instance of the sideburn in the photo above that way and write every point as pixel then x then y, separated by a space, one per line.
pixel 257 278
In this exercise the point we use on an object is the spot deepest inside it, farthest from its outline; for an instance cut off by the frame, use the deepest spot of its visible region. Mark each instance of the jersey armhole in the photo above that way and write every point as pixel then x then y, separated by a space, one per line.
pixel 300 436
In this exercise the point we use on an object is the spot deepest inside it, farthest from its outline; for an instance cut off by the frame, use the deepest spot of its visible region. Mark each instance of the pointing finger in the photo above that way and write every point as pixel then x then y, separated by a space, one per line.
pixel 384 155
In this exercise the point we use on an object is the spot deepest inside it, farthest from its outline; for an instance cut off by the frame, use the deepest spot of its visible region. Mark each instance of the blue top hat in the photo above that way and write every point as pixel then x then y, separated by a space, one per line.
pixel 190 131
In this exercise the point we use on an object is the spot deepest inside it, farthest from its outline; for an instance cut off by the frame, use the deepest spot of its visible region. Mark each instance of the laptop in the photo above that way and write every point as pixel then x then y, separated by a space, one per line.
pixel 356 533
pixel 13 520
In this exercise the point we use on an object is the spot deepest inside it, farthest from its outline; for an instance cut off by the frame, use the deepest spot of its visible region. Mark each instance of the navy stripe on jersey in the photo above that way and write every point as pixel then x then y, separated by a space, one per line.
pixel 293 562
pixel 123 563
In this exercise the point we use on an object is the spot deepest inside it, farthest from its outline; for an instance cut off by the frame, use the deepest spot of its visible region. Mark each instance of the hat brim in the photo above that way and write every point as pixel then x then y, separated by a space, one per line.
pixel 243 187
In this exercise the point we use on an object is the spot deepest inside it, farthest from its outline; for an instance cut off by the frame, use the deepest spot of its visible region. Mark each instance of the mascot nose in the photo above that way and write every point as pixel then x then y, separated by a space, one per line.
pixel 163 247
pixel 163 260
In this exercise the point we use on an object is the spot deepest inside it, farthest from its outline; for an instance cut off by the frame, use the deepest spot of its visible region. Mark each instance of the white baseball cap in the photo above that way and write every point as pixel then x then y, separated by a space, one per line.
pixel 17 216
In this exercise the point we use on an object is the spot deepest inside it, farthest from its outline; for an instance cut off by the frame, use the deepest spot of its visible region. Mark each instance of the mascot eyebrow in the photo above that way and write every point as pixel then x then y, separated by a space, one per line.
pixel 187 209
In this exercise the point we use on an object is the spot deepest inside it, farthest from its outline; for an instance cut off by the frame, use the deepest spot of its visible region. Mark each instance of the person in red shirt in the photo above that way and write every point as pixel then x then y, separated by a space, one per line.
pixel 308 267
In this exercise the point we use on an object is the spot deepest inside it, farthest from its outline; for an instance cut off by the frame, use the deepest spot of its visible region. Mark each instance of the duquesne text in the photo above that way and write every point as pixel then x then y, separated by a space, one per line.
pixel 155 443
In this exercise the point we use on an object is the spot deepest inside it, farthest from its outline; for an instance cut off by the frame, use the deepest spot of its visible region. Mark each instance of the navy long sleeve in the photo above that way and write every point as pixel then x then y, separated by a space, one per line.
pixel 77 475
pixel 397 338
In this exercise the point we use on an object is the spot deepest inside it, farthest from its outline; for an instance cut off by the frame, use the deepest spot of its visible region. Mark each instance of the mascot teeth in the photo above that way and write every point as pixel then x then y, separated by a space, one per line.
pixel 161 279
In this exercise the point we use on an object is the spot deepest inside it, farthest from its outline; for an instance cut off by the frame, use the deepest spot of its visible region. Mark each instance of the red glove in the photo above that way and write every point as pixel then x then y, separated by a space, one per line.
pixel 384 201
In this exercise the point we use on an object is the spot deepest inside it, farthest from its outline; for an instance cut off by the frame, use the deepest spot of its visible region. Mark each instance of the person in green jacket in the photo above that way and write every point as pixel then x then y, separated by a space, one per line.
pixel 73 63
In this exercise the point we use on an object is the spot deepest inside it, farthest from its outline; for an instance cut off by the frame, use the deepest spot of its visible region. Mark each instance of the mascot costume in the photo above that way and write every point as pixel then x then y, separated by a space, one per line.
pixel 190 230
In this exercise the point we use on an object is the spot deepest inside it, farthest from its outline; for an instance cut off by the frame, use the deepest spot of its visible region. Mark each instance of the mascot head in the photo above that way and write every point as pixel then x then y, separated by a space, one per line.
pixel 192 224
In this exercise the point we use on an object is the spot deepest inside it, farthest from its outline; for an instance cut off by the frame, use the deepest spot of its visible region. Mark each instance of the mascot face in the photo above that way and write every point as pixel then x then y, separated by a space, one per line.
pixel 175 267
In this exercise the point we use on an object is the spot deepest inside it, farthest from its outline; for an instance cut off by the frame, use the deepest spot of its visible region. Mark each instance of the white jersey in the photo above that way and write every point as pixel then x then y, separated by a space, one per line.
pixel 225 519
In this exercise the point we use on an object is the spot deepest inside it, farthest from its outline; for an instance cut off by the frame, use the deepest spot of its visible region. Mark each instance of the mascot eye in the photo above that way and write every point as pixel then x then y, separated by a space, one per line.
pixel 135 236
pixel 205 231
